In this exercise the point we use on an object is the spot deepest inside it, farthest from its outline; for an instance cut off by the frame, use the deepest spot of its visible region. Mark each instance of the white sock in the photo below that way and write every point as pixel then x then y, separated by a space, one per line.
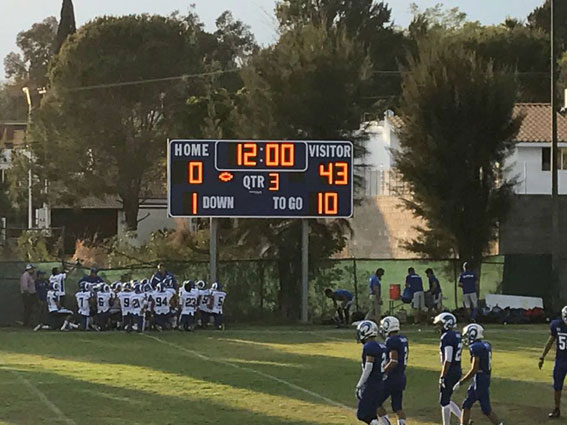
pixel 374 422
pixel 455 410
pixel 446 414
pixel 384 420
pixel 65 324
pixel 401 422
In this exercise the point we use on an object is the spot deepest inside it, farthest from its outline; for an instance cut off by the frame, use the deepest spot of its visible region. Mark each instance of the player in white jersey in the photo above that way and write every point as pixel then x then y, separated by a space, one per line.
pixel 104 300
pixel 84 298
pixel 216 302
pixel 188 297
pixel 59 317
pixel 161 306
pixel 125 306
pixel 138 304
pixel 204 311
pixel 172 316
pixel 59 279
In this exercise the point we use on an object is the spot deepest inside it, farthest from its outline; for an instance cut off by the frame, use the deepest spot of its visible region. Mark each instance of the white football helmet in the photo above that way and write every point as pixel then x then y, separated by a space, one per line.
pixel 564 314
pixel 445 321
pixel 365 330
pixel 388 325
pixel 472 333
pixel 214 286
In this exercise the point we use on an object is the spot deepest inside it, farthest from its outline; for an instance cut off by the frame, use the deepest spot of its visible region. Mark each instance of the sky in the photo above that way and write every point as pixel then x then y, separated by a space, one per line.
pixel 18 15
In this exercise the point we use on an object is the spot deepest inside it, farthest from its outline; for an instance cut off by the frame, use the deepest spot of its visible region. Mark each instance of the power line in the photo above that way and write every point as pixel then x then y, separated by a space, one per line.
pixel 150 81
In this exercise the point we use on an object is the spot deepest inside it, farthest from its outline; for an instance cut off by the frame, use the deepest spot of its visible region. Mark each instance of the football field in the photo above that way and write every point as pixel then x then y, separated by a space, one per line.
pixel 302 375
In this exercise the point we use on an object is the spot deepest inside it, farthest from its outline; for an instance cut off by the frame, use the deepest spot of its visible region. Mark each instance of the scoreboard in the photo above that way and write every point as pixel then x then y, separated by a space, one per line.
pixel 234 178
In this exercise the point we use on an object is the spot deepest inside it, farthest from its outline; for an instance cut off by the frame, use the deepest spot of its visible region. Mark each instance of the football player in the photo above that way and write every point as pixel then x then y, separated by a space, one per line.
pixel 342 301
pixel 481 368
pixel 188 303
pixel 558 336
pixel 161 306
pixel 125 306
pixel 115 309
pixel 370 387
pixel 84 298
pixel 138 303
pixel 104 299
pixel 58 317
pixel 398 354
pixel 451 347
pixel 203 303
pixel 216 302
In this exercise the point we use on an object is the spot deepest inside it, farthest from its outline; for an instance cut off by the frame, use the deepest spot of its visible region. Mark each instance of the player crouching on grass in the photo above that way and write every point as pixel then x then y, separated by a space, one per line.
pixel 342 301
pixel 395 370
pixel 58 317
pixel 558 335
pixel 370 387
pixel 481 367
pixel 451 347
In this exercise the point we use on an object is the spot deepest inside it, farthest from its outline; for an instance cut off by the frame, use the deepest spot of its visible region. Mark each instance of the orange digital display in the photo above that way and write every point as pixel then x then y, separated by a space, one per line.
pixel 274 182
pixel 246 154
pixel 195 172
pixel 327 203
pixel 194 206
pixel 336 173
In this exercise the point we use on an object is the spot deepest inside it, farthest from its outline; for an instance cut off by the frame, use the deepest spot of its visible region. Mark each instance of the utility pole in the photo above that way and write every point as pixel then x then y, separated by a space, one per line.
pixel 555 229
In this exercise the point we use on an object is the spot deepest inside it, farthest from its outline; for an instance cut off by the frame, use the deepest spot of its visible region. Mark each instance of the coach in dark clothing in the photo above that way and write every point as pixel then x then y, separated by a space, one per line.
pixel 41 288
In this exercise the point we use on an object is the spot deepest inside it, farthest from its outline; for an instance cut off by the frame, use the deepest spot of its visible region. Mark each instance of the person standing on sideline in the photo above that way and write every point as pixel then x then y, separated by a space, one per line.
pixel 415 284
pixel 468 281
pixel 164 277
pixel 41 288
pixel 29 295
pixel 435 291
pixel 375 311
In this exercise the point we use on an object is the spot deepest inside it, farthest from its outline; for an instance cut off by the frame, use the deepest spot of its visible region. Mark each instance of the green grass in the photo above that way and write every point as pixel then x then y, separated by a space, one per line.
pixel 244 376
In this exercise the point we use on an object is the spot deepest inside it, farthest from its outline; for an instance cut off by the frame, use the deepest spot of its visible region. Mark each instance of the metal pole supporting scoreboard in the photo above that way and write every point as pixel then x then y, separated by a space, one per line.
pixel 261 179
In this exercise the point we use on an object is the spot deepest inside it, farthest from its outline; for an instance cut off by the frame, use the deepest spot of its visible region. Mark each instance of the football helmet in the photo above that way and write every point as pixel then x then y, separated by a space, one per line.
pixel 388 325
pixel 105 288
pixel 127 287
pixel 564 314
pixel 215 286
pixel 472 333
pixel 201 284
pixel 160 287
pixel 365 330
pixel 88 287
pixel 445 321
pixel 138 288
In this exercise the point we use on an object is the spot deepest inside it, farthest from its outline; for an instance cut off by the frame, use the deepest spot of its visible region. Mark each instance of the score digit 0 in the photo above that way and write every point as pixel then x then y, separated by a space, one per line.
pixel 195 172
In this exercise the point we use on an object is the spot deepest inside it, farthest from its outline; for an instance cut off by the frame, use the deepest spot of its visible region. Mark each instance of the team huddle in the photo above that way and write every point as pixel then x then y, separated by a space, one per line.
pixel 384 365
pixel 137 306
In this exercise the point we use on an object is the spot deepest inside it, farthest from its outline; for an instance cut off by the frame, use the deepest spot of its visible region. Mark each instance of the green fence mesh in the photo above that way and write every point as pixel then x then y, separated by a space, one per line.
pixel 253 285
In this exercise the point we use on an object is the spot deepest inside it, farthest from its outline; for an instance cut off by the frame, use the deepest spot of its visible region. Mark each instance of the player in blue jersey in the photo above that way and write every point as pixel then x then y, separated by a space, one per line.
pixel 370 387
pixel 342 300
pixel 481 368
pixel 395 370
pixel 415 284
pixel 451 347
pixel 468 281
pixel 558 335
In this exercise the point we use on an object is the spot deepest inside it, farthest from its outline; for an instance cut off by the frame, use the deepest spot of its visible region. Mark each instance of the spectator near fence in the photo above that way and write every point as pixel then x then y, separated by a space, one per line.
pixel 435 291
pixel 468 281
pixel 92 278
pixel 375 297
pixel 415 284
pixel 41 287
pixel 29 295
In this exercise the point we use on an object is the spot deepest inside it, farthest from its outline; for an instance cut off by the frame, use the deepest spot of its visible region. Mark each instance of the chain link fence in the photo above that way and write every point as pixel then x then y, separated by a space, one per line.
pixel 253 285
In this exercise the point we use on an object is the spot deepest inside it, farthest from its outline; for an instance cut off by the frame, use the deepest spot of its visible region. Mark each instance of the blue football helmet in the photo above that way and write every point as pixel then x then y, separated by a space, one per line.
pixel 201 284
pixel 365 330
pixel 127 287
pixel 147 287
pixel 138 288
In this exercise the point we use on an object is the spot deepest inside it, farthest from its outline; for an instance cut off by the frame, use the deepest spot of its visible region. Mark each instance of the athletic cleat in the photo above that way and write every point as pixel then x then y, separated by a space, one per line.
pixel 555 414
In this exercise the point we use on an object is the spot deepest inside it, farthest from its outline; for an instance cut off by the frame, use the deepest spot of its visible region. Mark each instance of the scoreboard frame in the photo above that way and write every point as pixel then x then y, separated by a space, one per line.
pixel 266 171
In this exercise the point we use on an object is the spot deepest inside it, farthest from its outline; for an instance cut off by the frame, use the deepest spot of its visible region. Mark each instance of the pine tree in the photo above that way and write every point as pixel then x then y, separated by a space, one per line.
pixel 66 24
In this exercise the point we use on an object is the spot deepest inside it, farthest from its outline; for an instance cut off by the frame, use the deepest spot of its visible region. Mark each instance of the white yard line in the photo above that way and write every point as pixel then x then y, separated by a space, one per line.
pixel 254 371
pixel 41 396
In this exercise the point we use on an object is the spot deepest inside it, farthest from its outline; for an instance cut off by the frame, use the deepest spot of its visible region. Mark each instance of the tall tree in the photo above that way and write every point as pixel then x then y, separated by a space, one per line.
pixel 309 86
pixel 103 126
pixel 66 24
pixel 30 67
pixel 459 126
pixel 540 19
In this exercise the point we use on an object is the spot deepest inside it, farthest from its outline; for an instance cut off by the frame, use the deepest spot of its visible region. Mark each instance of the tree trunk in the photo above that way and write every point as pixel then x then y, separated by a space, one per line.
pixel 130 205
pixel 289 295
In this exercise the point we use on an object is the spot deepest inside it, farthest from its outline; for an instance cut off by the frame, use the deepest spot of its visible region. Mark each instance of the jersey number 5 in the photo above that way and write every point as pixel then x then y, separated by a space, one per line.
pixel 562 342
